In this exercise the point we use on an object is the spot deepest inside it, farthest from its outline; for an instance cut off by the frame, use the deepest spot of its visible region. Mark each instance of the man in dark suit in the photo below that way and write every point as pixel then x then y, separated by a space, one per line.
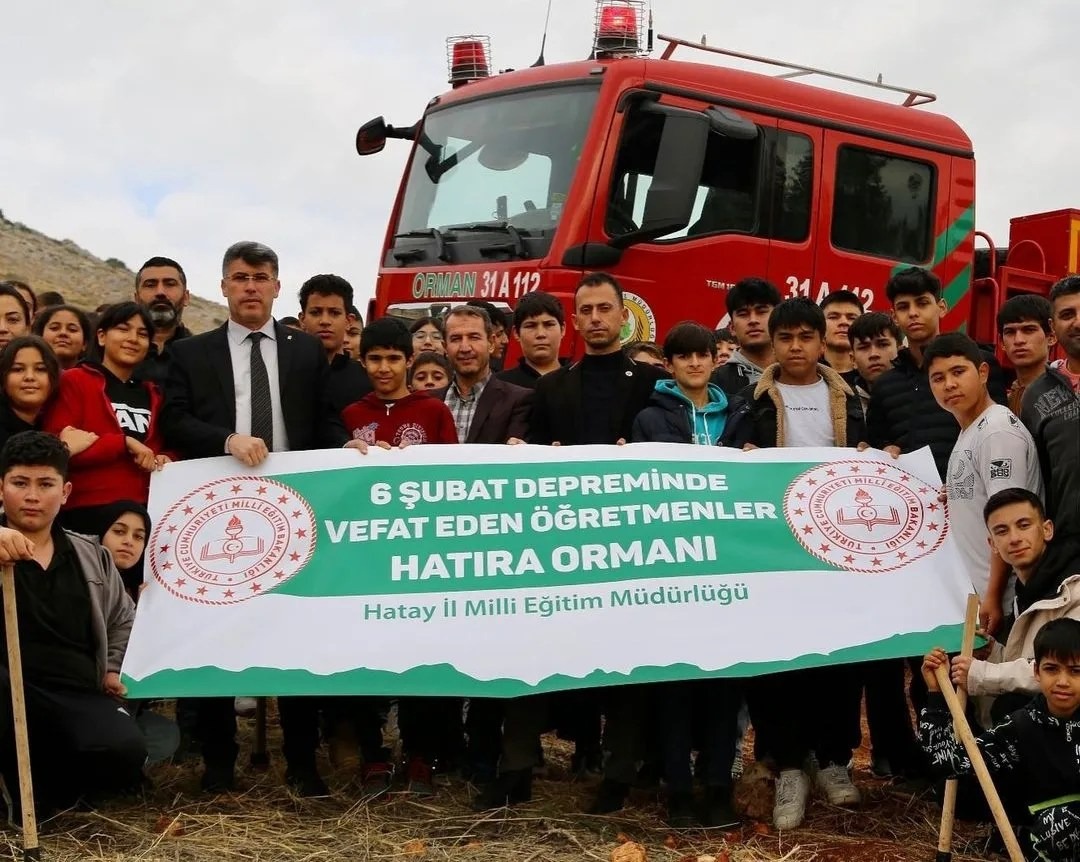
pixel 246 389
pixel 486 409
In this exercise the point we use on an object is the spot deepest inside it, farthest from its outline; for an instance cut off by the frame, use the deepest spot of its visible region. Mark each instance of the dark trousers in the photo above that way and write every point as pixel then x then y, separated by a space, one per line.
pixel 711 705
pixel 431 728
pixel 891 734
pixel 800 711
pixel 628 716
pixel 300 727
pixel 299 731
pixel 359 718
pixel 82 743
pixel 577 716
pixel 215 728
pixel 484 730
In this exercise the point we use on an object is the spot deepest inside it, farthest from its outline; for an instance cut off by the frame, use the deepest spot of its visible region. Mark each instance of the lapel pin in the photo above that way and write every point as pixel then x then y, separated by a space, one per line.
pixel 629 373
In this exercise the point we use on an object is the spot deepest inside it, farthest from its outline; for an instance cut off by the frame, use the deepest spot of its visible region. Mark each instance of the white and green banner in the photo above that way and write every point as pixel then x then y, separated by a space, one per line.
pixel 506 570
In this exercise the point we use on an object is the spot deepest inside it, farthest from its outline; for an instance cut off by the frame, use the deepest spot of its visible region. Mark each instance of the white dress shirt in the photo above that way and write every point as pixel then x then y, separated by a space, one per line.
pixel 240 353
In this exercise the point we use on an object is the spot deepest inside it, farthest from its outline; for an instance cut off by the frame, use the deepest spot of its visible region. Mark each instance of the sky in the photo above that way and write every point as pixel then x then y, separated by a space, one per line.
pixel 179 127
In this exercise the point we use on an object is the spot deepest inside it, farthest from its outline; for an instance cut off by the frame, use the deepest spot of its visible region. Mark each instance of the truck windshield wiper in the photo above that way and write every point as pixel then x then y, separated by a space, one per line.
pixel 516 246
pixel 405 255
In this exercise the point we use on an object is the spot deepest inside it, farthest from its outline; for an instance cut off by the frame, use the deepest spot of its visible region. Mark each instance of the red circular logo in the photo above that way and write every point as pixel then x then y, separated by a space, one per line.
pixel 232 539
pixel 865 516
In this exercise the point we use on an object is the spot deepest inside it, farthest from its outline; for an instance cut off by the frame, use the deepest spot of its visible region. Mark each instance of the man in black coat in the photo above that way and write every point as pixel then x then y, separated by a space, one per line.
pixel 161 287
pixel 246 389
pixel 903 415
pixel 594 400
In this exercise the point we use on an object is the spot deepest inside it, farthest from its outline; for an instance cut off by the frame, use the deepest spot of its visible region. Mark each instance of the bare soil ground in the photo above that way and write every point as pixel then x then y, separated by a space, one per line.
pixel 263 821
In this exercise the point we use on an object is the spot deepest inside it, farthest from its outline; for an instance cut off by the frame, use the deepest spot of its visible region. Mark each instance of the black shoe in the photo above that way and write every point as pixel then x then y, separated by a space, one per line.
pixel 306 782
pixel 508 789
pixel 648 777
pixel 611 797
pixel 188 750
pixel 680 810
pixel 718 812
pixel 219 779
pixel 587 760
pixel 480 771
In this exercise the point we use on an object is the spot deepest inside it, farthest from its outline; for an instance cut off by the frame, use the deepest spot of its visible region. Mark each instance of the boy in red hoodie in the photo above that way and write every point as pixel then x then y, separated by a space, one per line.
pixel 390 415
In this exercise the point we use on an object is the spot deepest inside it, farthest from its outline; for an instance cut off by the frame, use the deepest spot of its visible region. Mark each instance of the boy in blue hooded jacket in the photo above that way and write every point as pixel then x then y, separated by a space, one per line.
pixel 689 409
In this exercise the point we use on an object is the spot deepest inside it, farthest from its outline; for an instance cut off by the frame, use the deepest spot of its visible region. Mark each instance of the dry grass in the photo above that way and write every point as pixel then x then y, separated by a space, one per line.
pixel 263 821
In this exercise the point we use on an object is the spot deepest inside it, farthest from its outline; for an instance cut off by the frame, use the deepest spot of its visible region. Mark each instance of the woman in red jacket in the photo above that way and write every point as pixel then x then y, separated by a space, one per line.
pixel 106 399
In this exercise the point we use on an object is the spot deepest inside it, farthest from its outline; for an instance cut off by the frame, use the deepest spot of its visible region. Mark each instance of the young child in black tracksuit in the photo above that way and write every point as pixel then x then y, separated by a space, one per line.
pixel 1036 749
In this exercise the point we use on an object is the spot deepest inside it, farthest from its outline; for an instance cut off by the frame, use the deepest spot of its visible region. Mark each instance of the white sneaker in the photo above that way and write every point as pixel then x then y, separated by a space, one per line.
pixel 792 791
pixel 835 782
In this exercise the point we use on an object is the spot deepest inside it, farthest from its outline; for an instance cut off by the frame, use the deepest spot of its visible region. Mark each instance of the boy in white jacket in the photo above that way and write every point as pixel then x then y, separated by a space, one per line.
pixel 1048 588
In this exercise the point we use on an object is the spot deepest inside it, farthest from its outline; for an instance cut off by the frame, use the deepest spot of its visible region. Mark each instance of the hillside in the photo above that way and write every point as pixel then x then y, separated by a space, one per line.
pixel 83 279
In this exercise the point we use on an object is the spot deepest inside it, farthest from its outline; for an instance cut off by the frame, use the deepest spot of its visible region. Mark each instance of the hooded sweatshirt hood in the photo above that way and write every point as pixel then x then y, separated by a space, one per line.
pixel 752 372
pixel 706 423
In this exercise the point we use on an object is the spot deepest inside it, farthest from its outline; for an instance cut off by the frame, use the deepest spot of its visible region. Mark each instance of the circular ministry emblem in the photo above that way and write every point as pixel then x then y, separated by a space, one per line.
pixel 865 516
pixel 231 539
pixel 642 324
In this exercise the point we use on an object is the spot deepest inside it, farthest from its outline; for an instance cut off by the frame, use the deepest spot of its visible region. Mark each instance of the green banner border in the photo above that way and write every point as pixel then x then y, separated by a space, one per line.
pixel 446 680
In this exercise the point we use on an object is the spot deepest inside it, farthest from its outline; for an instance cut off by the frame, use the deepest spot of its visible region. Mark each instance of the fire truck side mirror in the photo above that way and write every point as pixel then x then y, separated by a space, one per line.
pixel 669 204
pixel 371 138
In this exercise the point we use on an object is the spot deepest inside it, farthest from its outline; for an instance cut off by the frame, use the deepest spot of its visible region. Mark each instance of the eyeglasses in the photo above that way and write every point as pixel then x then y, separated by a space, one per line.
pixel 239 278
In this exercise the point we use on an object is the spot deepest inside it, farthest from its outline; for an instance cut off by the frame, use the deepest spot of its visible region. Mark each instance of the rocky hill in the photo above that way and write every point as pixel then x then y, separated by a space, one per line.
pixel 83 279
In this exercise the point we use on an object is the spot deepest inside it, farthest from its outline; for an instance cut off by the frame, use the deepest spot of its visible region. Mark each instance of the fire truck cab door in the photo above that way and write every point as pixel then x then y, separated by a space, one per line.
pixel 684 273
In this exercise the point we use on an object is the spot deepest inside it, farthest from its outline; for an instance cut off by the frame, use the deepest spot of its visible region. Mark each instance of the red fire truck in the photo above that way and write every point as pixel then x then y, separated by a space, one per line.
pixel 683 177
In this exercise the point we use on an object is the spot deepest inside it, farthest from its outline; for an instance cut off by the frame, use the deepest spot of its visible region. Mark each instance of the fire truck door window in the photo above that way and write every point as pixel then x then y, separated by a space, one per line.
pixel 792 187
pixel 728 192
pixel 883 205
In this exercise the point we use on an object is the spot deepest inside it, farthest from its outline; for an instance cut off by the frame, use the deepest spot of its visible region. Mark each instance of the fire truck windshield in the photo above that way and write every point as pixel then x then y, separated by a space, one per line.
pixel 490 177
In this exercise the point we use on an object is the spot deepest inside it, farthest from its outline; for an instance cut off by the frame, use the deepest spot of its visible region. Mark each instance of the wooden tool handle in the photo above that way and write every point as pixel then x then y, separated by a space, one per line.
pixel 18 711
pixel 948 808
pixel 967 739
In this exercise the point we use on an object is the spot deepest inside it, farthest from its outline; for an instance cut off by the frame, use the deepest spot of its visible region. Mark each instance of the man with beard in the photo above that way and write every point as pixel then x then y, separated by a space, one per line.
pixel 161 287
pixel 596 401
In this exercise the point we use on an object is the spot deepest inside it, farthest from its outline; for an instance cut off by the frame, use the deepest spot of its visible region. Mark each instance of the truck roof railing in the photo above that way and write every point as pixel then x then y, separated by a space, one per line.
pixel 912 99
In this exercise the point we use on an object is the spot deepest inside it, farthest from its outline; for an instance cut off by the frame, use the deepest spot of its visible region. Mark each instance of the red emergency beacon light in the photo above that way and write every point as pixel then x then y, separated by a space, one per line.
pixel 468 58
pixel 618 26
